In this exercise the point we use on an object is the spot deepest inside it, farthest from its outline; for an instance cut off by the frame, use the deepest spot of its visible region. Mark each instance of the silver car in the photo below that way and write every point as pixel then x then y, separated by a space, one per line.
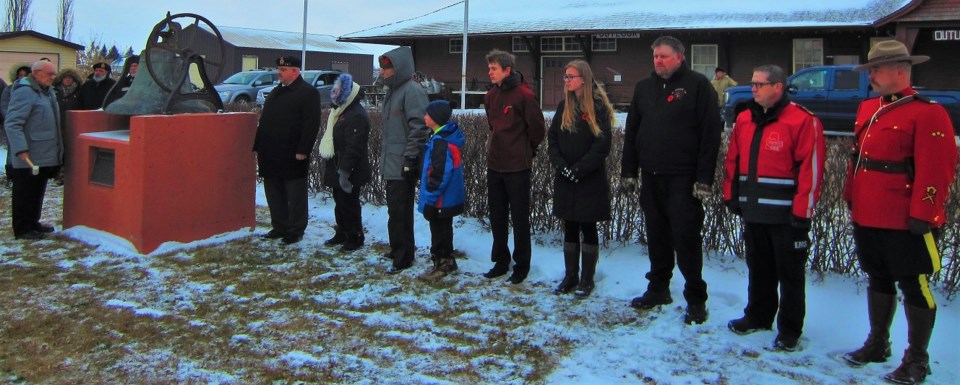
pixel 321 79
pixel 242 87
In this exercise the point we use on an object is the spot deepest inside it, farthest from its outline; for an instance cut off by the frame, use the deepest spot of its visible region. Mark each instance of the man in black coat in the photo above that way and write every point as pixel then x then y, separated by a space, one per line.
pixel 673 135
pixel 95 89
pixel 285 137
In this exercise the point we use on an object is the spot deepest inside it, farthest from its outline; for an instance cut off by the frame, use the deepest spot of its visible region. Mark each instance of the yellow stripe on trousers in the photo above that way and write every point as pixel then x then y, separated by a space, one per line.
pixel 935 261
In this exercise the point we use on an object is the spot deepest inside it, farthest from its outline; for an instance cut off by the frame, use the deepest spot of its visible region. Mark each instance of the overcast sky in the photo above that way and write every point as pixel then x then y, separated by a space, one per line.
pixel 128 23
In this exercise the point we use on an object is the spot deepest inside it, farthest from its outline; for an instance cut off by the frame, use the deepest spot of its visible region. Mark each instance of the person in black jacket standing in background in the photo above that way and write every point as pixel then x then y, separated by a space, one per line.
pixel 579 142
pixel 672 134
pixel 286 133
pixel 94 91
pixel 344 150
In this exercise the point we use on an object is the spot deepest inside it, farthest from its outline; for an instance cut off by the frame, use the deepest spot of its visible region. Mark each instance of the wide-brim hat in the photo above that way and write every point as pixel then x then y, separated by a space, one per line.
pixel 890 51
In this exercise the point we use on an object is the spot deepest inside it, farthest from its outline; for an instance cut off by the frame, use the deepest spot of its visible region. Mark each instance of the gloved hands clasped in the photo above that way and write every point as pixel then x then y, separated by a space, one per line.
pixel 568 173
pixel 345 181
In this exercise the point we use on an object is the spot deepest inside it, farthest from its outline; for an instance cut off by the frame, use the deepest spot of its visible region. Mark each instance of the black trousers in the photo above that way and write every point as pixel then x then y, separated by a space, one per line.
pixel 508 196
pixel 897 257
pixel 674 219
pixel 287 199
pixel 27 197
pixel 403 246
pixel 348 210
pixel 777 256
pixel 441 237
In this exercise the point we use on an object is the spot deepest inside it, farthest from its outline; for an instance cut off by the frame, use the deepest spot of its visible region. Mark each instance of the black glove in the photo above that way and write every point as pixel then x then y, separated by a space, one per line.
pixel 568 173
pixel 410 169
pixel 799 223
pixel 628 185
pixel 918 227
pixel 345 181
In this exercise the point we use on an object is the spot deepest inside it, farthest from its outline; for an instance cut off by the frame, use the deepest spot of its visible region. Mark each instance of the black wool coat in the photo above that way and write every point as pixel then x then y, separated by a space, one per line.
pixel 288 125
pixel 93 93
pixel 350 136
pixel 585 154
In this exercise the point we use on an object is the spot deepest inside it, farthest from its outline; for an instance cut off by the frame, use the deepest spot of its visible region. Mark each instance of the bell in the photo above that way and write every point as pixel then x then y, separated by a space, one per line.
pixel 146 97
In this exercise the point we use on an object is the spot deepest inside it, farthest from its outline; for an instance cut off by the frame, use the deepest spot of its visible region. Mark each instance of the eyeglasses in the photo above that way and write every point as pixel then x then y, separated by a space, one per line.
pixel 759 85
pixel 568 78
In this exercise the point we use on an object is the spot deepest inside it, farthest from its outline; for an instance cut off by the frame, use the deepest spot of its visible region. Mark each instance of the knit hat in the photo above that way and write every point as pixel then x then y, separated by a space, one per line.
pixel 341 89
pixel 439 111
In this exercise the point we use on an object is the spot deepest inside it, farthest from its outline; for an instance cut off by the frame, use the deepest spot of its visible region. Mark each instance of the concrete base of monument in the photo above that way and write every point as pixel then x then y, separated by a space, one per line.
pixel 152 179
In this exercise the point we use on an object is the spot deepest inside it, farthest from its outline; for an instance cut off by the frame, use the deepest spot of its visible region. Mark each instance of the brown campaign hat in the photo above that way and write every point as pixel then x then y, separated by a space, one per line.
pixel 889 51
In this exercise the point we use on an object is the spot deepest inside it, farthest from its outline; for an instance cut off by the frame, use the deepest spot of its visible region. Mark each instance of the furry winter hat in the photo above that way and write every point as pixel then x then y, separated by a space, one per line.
pixel 439 111
pixel 340 91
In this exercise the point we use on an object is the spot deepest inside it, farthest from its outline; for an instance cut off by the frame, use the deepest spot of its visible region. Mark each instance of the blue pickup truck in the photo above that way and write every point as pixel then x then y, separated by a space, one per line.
pixel 833 93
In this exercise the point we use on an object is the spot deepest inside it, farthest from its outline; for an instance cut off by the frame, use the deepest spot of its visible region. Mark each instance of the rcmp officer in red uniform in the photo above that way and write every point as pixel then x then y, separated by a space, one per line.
pixel 772 176
pixel 897 184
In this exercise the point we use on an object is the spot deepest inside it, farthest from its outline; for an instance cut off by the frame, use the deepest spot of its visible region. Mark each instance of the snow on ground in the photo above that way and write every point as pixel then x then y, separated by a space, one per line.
pixel 599 340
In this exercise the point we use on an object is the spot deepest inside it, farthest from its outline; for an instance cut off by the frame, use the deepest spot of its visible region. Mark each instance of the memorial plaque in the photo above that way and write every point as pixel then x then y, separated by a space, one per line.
pixel 103 167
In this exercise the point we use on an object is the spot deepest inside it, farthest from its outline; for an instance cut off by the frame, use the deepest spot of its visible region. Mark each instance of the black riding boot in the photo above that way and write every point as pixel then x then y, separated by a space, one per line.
pixel 881 308
pixel 915 365
pixel 591 253
pixel 571 260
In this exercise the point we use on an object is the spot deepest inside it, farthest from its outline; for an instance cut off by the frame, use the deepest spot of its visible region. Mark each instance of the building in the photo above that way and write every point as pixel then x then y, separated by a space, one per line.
pixel 615 38
pixel 247 49
pixel 29 46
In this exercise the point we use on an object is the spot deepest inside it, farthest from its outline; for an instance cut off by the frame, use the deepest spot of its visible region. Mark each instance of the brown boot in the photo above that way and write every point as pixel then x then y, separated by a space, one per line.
pixel 915 365
pixel 444 266
pixel 571 261
pixel 881 308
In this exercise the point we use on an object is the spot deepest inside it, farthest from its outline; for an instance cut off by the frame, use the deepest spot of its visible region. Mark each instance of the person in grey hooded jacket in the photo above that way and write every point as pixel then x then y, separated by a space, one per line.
pixel 403 139
pixel 32 124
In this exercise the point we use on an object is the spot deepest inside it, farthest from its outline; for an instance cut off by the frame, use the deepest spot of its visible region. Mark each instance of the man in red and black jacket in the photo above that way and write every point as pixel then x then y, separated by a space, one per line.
pixel 517 127
pixel 772 177
pixel 897 186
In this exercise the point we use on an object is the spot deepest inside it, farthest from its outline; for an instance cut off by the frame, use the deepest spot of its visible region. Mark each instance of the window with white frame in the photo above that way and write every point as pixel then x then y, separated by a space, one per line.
pixel 520 44
pixel 703 59
pixel 560 44
pixel 807 53
pixel 456 45
pixel 604 44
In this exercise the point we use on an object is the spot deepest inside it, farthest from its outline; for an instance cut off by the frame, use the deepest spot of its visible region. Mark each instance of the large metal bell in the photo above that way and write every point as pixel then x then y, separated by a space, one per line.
pixel 145 97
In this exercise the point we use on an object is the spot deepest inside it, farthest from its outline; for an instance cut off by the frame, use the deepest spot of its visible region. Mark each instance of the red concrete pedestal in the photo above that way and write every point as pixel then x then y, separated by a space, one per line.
pixel 174 177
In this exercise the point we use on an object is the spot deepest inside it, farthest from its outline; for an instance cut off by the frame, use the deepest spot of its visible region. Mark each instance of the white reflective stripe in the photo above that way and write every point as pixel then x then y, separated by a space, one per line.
pixel 743 177
pixel 743 199
pixel 775 202
pixel 788 182
pixel 814 183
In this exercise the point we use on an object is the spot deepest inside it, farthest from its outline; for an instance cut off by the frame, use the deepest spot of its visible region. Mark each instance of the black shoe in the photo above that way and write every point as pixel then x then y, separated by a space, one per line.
pixel 273 234
pixel 650 300
pixel 745 325
pixel 337 239
pixel 516 278
pixel 42 228
pixel 498 270
pixel 394 269
pixel 31 235
pixel 696 314
pixel 291 239
pixel 786 344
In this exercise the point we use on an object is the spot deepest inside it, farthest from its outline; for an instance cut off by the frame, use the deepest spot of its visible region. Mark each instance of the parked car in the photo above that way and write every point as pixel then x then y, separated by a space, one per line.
pixel 321 79
pixel 833 93
pixel 242 87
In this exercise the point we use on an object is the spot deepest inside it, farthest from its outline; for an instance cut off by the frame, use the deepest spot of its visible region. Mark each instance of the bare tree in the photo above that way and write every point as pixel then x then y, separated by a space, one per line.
pixel 18 16
pixel 65 19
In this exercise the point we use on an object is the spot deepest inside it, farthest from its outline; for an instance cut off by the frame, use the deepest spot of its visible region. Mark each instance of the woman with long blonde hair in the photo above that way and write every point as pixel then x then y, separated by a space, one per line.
pixel 579 142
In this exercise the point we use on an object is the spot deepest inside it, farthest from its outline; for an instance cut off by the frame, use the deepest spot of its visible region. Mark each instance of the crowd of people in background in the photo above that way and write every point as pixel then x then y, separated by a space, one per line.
pixel 898 181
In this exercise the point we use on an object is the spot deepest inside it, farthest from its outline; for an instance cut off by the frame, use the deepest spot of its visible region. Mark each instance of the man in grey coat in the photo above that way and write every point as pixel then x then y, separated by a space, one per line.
pixel 403 138
pixel 32 122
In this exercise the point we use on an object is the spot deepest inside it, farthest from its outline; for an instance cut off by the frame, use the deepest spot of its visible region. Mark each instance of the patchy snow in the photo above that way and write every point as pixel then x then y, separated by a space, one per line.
pixel 414 325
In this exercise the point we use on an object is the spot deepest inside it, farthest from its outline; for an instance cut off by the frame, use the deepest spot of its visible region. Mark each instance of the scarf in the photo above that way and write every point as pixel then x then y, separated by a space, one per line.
pixel 326 144
pixel 68 90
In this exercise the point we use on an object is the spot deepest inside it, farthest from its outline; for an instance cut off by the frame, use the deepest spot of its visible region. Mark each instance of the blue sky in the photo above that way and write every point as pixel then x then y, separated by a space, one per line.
pixel 128 23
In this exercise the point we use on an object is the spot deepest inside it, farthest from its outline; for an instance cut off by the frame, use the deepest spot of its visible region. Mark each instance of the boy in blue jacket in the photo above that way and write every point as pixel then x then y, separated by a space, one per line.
pixel 441 186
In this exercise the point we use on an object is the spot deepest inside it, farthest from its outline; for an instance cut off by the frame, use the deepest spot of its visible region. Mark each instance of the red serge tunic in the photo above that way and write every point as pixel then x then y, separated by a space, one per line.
pixel 918 133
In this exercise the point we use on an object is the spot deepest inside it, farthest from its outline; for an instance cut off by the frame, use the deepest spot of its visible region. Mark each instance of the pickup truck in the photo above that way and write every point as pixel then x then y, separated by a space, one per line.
pixel 833 93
